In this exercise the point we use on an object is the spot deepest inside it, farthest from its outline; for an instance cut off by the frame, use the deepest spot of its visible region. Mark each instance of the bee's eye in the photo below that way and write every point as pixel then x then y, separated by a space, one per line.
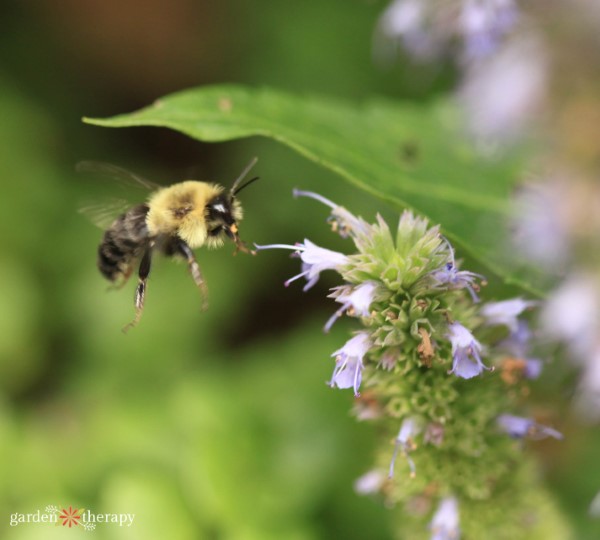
pixel 219 210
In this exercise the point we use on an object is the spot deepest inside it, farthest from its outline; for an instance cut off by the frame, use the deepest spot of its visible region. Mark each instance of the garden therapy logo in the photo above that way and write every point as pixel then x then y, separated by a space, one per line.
pixel 71 517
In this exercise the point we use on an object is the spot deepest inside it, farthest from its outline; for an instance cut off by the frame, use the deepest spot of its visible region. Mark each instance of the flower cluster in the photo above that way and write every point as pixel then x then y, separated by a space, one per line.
pixel 502 55
pixel 428 29
pixel 431 362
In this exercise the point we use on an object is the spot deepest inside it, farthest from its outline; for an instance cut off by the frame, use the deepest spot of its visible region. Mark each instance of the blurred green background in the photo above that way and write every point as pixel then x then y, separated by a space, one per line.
pixel 205 425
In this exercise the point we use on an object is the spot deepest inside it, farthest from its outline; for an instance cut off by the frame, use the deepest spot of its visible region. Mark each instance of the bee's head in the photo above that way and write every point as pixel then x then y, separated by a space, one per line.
pixel 224 211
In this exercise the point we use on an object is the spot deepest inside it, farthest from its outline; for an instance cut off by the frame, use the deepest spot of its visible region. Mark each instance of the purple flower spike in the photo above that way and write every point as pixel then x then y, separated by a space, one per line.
pixel 315 259
pixel 519 427
pixel 357 299
pixel 348 362
pixel 465 352
pixel 506 312
pixel 445 522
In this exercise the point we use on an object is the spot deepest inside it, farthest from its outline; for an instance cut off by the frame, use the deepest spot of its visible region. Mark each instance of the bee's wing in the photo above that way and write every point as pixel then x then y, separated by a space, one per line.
pixel 122 176
pixel 103 214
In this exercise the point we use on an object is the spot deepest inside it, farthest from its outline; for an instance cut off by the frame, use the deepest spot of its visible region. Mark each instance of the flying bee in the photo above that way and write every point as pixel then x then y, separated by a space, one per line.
pixel 176 220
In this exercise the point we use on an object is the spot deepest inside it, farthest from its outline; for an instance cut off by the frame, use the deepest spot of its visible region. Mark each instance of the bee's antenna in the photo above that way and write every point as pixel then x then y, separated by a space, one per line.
pixel 235 189
pixel 245 185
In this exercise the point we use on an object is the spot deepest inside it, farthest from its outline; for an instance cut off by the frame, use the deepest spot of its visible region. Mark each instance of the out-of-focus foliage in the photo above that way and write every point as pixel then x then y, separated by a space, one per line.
pixel 206 425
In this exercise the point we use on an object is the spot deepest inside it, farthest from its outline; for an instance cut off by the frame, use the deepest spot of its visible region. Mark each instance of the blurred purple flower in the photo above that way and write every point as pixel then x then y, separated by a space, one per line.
pixel 348 362
pixel 465 352
pixel 519 427
pixel 483 24
pixel 429 30
pixel 505 312
pixel 369 483
pixel 502 96
pixel 404 442
pixel 404 22
pixel 588 390
pixel 517 345
pixel 533 368
pixel 315 259
pixel 540 224
pixel 445 522
pixel 572 314
pixel 518 341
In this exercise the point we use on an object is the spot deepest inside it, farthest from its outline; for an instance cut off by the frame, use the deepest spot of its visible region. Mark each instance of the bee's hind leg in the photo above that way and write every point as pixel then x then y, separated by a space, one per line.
pixel 195 271
pixel 140 292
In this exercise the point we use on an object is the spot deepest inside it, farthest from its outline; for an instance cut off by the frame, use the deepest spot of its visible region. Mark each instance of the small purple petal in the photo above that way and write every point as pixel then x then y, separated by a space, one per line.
pixel 357 298
pixel 369 483
pixel 450 276
pixel 519 427
pixel 445 522
pixel 410 428
pixel 315 259
pixel 343 222
pixel 465 352
pixel 505 312
pixel 348 365
pixel 533 368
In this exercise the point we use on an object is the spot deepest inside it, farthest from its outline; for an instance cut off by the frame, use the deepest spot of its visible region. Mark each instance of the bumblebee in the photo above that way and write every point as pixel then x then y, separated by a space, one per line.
pixel 176 220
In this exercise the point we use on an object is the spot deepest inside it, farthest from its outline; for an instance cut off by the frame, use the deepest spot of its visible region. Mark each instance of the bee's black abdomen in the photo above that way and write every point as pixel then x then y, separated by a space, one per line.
pixel 123 243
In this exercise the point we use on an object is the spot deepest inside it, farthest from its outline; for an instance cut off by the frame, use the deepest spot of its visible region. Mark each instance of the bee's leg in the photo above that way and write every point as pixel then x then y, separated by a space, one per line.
pixel 140 291
pixel 187 252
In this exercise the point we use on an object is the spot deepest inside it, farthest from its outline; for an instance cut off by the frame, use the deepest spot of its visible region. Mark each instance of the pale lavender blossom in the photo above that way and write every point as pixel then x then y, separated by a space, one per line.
pixel 533 368
pixel 484 24
pixel 519 427
pixel 502 96
pixel 404 22
pixel 475 29
pixel 572 314
pixel 357 298
pixel 466 352
pixel 453 278
pixel 505 313
pixel 343 222
pixel 587 399
pixel 518 341
pixel 445 522
pixel 348 362
pixel 517 344
pixel 409 429
pixel 315 259
pixel 369 483
pixel 540 223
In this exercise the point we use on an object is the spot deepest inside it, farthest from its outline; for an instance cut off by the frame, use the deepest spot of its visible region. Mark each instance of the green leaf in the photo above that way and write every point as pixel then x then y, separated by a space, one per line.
pixel 406 154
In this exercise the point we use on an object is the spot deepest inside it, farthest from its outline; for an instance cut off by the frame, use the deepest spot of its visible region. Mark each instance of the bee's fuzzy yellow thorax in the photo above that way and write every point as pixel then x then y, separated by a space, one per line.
pixel 180 210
